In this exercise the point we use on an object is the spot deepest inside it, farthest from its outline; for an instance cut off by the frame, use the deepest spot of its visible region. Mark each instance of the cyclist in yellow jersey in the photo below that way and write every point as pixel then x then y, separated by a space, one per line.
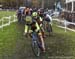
pixel 35 27
pixel 36 24
pixel 28 21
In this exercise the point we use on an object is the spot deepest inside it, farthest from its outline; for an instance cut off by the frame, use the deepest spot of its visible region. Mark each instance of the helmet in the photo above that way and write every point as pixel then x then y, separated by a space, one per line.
pixel 35 9
pixel 34 14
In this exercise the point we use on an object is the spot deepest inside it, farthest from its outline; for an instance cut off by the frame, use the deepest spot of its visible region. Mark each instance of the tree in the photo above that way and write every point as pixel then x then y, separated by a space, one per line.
pixel 34 3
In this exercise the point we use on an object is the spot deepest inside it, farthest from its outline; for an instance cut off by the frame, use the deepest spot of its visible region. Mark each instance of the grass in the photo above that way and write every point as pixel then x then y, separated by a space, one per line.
pixel 6 13
pixel 8 40
pixel 61 43
pixel 13 45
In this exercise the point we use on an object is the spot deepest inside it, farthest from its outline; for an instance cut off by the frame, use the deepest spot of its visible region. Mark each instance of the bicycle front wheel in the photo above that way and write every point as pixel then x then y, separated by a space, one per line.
pixel 35 48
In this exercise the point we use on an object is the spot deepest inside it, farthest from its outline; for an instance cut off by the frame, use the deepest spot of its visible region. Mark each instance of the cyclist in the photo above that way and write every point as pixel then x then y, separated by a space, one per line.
pixel 41 13
pixel 35 27
pixel 27 10
pixel 48 20
pixel 28 21
pixel 19 14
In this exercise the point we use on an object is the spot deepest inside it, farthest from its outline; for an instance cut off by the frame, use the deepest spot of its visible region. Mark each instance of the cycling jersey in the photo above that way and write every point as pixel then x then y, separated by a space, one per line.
pixel 48 18
pixel 28 19
pixel 35 27
pixel 30 25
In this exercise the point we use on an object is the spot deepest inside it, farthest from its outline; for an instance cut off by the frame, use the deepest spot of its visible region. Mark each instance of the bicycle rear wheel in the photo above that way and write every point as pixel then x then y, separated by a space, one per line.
pixel 49 28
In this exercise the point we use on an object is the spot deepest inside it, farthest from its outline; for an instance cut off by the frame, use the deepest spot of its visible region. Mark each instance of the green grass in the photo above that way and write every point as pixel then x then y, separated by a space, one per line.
pixel 8 39
pixel 13 45
pixel 59 44
pixel 6 13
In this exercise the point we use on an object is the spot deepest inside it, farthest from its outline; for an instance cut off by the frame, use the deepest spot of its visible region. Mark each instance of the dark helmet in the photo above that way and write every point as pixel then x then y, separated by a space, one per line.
pixel 41 12
pixel 35 10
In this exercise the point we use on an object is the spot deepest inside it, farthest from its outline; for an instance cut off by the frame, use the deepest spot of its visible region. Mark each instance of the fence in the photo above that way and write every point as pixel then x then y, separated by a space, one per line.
pixel 65 23
pixel 8 19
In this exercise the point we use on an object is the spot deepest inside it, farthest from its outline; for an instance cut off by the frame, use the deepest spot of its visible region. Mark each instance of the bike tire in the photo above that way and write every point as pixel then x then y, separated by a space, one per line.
pixel 35 48
pixel 49 29
pixel 35 45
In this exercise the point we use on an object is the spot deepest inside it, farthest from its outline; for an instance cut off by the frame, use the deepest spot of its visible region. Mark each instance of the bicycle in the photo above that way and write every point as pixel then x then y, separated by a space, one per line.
pixel 48 27
pixel 36 45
